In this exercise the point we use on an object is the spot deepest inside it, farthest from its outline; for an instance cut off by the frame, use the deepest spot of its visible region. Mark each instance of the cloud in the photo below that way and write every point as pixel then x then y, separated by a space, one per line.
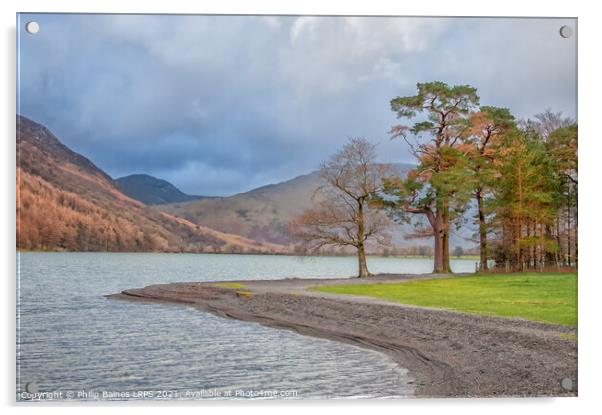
pixel 221 104
pixel 336 53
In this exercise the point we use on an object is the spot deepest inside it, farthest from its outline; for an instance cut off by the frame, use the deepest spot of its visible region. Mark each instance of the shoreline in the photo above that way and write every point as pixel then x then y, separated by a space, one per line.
pixel 292 253
pixel 447 353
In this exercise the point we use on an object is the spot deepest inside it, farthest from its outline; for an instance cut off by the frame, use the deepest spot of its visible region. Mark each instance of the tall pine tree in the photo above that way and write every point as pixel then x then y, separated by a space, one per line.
pixel 439 187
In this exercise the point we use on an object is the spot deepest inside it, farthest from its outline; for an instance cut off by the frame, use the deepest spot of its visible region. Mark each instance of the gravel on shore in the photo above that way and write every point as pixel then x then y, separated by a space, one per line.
pixel 449 354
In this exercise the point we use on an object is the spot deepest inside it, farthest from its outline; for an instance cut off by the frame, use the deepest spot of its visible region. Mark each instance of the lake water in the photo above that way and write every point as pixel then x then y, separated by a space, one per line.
pixel 72 343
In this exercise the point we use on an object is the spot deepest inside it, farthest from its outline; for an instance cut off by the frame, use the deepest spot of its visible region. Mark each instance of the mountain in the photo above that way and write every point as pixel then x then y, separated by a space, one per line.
pixel 152 191
pixel 261 214
pixel 65 202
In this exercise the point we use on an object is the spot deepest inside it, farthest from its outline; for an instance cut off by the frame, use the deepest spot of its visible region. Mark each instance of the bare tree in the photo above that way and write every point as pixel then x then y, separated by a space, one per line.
pixel 342 215
pixel 546 122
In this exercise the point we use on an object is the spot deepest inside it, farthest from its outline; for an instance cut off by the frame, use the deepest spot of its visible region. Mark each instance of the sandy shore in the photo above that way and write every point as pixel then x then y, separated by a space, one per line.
pixel 450 354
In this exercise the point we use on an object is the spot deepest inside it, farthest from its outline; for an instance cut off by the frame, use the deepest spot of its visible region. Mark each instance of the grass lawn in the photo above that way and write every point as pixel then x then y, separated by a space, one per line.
pixel 544 297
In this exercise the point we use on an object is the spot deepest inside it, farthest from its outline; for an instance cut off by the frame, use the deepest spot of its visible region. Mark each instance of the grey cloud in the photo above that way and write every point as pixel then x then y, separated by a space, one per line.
pixel 221 104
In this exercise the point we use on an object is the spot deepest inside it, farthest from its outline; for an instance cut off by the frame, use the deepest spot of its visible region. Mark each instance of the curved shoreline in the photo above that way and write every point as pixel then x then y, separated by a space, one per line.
pixel 449 354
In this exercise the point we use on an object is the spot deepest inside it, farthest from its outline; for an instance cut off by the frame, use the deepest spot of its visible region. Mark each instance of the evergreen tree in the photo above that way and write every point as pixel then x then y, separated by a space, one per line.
pixel 439 187
pixel 524 200
pixel 487 128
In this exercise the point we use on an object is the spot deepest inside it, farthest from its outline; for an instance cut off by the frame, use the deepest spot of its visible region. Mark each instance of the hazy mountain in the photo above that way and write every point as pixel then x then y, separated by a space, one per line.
pixel 152 191
pixel 66 202
pixel 261 214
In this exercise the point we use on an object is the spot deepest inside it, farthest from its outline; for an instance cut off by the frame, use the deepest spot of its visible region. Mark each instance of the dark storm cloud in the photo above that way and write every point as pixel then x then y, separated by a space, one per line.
pixel 219 105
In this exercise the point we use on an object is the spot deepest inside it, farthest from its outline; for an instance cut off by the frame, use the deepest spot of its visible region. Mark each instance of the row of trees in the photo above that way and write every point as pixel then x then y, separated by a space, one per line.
pixel 516 180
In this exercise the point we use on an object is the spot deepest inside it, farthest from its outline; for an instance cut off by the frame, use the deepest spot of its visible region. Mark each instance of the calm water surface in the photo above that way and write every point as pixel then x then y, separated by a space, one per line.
pixel 73 342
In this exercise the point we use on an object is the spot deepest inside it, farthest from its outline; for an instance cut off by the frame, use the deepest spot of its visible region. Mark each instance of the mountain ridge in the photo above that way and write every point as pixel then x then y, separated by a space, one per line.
pixel 262 214
pixel 151 190
pixel 66 202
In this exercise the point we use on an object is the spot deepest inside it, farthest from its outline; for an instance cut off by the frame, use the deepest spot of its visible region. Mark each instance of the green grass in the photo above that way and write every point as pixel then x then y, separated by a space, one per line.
pixel 550 297
pixel 229 284
pixel 244 293
pixel 567 336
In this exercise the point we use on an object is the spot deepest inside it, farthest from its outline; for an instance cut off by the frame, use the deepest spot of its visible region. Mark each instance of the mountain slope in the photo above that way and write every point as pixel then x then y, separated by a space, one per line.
pixel 152 191
pixel 261 214
pixel 65 202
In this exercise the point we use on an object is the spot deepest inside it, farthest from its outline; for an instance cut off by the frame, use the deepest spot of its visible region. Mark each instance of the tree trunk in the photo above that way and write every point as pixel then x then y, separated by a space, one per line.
pixel 446 264
pixel 482 232
pixel 542 242
pixel 437 220
pixel 559 254
pixel 439 234
pixel 519 222
pixel 530 250
pixel 445 227
pixel 568 227
pixel 438 265
pixel 549 255
pixel 519 250
pixel 363 266
pixel 576 222
pixel 361 234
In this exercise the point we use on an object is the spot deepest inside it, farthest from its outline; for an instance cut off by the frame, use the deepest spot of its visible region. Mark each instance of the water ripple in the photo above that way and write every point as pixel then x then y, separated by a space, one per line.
pixel 70 338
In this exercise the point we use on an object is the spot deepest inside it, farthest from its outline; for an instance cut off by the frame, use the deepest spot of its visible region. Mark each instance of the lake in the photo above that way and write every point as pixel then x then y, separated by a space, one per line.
pixel 72 343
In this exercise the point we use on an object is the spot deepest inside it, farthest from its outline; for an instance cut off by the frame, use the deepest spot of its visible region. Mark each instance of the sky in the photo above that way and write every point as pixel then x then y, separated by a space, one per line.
pixel 219 105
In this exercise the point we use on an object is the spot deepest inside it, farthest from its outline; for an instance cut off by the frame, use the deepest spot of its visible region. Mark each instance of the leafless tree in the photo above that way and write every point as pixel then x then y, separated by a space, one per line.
pixel 546 122
pixel 342 215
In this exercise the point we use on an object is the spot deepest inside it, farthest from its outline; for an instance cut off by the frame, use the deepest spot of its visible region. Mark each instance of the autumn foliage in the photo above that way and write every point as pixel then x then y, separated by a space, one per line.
pixel 64 202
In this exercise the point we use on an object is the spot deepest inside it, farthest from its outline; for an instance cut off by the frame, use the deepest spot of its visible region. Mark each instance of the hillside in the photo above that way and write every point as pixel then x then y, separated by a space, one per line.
pixel 152 191
pixel 261 214
pixel 65 202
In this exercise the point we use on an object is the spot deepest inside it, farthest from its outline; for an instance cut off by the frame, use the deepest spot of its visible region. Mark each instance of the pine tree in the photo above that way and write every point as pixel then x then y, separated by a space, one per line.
pixel 487 128
pixel 524 200
pixel 439 188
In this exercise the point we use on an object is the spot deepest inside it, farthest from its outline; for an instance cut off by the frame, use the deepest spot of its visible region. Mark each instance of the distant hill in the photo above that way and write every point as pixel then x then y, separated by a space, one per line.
pixel 261 214
pixel 152 191
pixel 65 202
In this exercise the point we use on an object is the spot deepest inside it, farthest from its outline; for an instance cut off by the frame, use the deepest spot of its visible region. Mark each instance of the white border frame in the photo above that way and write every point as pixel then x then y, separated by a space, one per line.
pixel 590 285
